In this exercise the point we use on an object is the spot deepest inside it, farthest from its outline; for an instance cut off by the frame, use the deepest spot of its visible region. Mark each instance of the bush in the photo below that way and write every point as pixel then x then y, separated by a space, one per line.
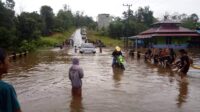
pixel 55 39
pixel 27 46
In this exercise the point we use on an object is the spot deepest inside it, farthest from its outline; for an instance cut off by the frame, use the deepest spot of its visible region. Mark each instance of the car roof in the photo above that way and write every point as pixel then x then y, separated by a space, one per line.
pixel 87 44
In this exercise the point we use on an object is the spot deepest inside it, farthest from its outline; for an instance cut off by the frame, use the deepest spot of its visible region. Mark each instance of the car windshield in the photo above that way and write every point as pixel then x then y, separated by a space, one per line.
pixel 87 46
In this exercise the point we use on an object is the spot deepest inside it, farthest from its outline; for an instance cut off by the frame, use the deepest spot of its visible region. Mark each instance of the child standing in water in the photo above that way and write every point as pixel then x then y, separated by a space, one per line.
pixel 8 96
pixel 75 75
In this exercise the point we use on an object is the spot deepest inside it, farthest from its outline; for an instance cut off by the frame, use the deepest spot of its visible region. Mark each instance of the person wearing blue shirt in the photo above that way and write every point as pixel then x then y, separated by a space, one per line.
pixel 8 96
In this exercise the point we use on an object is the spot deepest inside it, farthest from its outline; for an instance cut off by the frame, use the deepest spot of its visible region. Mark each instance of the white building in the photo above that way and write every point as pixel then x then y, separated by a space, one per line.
pixel 104 20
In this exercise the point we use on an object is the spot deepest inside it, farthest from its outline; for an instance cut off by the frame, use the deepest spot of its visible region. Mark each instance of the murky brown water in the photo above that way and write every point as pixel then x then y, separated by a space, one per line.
pixel 42 84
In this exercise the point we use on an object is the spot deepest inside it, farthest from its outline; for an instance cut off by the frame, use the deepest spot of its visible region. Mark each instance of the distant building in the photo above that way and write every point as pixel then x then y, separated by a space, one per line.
pixel 104 20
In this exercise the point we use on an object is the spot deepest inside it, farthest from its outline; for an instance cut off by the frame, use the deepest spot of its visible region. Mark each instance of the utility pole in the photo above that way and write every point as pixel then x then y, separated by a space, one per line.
pixel 126 38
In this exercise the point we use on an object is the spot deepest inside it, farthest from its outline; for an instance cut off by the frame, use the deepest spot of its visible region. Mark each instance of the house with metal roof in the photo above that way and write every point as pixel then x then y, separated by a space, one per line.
pixel 168 34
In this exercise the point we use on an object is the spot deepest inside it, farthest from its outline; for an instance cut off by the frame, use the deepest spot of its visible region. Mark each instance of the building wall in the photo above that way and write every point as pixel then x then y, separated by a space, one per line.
pixel 161 42
pixel 104 20
pixel 174 40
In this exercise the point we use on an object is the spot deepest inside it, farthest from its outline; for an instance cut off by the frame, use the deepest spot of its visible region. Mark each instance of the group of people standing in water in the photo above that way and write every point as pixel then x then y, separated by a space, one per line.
pixel 167 57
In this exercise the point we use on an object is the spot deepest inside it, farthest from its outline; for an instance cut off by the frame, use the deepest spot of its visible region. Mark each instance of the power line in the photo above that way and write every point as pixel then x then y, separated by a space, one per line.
pixel 126 39
pixel 128 5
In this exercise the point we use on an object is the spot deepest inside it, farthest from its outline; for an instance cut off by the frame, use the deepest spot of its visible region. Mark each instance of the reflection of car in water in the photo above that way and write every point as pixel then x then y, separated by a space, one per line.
pixel 84 37
pixel 119 62
pixel 87 48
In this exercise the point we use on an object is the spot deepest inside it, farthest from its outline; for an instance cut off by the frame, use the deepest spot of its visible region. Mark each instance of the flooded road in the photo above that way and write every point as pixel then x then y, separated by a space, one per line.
pixel 42 84
pixel 77 38
pixel 41 81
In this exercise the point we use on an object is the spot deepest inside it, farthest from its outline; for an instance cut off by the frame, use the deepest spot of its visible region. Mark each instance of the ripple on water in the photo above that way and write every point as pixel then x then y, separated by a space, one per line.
pixel 41 81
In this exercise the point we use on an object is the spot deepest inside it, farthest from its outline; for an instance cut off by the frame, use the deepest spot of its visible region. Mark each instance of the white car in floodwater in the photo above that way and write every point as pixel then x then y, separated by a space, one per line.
pixel 87 48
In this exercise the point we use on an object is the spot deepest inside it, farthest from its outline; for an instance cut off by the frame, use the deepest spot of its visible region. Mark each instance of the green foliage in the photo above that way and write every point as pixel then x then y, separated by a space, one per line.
pixel 52 40
pixel 145 15
pixel 7 25
pixel 55 39
pixel 23 32
pixel 27 46
pixel 81 21
pixel 103 31
pixel 29 26
pixel 65 19
pixel 132 24
pixel 49 41
pixel 191 21
pixel 116 28
pixel 189 24
pixel 187 21
pixel 7 38
pixel 48 19
pixel 7 17
pixel 108 41
pixel 122 28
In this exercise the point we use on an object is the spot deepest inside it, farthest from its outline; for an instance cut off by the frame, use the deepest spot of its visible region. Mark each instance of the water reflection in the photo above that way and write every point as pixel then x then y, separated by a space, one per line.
pixel 171 76
pixel 183 93
pixel 41 77
pixel 117 76
pixel 131 58
pixel 76 104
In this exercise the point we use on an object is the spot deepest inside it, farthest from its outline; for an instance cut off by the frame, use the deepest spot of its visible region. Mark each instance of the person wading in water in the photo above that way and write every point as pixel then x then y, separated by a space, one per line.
pixel 75 75
pixel 184 63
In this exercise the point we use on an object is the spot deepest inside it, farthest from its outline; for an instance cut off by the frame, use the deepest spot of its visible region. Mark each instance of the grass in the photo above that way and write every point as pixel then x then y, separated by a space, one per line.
pixel 55 39
pixel 108 41
pixel 59 38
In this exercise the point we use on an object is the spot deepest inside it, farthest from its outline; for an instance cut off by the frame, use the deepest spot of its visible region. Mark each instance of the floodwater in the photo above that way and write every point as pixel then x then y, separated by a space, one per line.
pixel 42 84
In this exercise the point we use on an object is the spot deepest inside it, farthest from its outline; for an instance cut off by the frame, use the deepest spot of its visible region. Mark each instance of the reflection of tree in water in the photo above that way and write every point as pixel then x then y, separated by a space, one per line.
pixel 183 92
pixel 76 105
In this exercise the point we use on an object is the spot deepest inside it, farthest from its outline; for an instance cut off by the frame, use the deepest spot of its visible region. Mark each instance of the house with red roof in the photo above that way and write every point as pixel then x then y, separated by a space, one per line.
pixel 168 34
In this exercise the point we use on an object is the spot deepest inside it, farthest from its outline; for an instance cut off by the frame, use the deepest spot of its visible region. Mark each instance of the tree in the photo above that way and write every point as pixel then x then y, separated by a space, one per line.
pixel 29 26
pixel 129 14
pixel 115 29
pixel 194 17
pixel 131 24
pixel 48 19
pixel 188 21
pixel 7 25
pixel 191 21
pixel 89 22
pixel 145 15
pixel 21 31
pixel 64 19
pixel 80 20
pixel 10 4
pixel 7 16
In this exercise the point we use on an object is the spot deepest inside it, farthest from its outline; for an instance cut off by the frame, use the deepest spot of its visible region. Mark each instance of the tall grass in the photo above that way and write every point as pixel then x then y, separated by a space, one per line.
pixel 108 41
pixel 55 39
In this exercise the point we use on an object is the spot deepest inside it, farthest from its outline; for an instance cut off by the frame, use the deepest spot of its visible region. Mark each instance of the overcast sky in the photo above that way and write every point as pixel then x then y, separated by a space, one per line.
pixel 113 7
